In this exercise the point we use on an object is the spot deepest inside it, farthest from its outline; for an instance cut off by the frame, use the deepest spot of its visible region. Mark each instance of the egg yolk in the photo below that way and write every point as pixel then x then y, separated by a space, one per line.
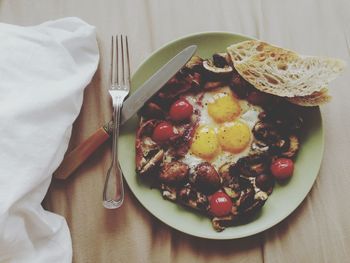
pixel 224 107
pixel 234 136
pixel 205 143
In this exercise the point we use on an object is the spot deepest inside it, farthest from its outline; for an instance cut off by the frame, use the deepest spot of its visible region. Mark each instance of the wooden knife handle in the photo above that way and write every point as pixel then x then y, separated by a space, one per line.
pixel 76 157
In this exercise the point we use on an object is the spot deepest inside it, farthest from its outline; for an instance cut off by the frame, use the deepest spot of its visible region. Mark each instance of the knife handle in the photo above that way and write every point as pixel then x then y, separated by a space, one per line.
pixel 76 157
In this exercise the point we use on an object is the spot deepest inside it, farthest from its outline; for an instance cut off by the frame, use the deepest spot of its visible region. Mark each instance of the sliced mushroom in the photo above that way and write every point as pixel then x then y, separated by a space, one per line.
pixel 259 147
pixel 222 60
pixel 240 86
pixel 286 146
pixel 266 132
pixel 215 73
pixel 179 84
pixel 152 163
pixel 195 63
pixel 246 199
pixel 213 85
pixel 255 207
pixel 230 192
pixel 220 223
pixel 168 192
pixel 181 144
pixel 152 110
pixel 148 146
pixel 192 198
pixel 253 165
pixel 261 195
pixel 285 119
pixel 174 172
pixel 279 146
pixel 145 147
pixel 265 182
pixel 293 147
pixel 206 178
pixel 225 175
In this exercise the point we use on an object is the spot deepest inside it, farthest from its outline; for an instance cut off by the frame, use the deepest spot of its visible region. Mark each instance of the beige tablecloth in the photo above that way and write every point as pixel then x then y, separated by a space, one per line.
pixel 318 231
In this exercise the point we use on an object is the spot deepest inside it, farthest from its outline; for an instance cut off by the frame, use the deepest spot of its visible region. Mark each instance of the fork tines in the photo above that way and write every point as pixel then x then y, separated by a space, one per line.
pixel 120 63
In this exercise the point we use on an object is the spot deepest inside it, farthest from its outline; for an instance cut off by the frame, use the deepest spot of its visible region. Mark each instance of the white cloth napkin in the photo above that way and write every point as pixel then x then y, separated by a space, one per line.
pixel 43 72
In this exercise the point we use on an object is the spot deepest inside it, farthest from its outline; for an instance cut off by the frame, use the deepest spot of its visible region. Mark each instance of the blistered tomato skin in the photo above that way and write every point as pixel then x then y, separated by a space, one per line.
pixel 282 168
pixel 220 204
pixel 180 110
pixel 163 132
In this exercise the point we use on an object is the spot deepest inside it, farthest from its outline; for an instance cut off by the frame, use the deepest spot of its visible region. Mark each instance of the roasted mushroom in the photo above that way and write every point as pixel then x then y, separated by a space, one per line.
pixel 206 178
pixel 221 60
pixel 293 147
pixel 210 85
pixel 151 163
pixel 286 119
pixel 240 86
pixel 192 198
pixel 254 207
pixel 181 144
pixel 286 146
pixel 266 132
pixel 246 198
pixel 220 223
pixel 279 146
pixel 259 147
pixel 253 165
pixel 264 182
pixel 168 192
pixel 148 153
pixel 195 64
pixel 225 174
pixel 231 192
pixel 182 82
pixel 174 172
pixel 152 110
pixel 216 73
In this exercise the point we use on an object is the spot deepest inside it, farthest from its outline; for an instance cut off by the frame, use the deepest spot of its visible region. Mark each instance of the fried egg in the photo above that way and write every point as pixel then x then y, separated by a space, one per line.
pixel 223 134
pixel 205 143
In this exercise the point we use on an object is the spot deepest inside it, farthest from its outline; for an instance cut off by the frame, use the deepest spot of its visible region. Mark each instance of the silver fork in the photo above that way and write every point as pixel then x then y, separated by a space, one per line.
pixel 113 192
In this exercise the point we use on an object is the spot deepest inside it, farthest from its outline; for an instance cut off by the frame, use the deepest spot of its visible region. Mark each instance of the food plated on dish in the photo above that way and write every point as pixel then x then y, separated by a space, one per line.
pixel 286 197
pixel 223 130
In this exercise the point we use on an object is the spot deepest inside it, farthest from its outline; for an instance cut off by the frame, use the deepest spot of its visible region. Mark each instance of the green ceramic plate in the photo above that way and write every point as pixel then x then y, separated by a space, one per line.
pixel 281 203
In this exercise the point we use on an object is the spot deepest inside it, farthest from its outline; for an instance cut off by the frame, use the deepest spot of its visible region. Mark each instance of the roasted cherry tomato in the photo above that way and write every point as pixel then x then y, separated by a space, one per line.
pixel 180 110
pixel 282 168
pixel 162 132
pixel 220 204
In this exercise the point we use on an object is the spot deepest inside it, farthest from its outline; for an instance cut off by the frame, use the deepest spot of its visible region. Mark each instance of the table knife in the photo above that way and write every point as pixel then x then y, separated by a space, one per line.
pixel 130 107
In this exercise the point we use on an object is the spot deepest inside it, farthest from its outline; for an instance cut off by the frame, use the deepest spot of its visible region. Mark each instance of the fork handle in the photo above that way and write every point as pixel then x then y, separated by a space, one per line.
pixel 113 192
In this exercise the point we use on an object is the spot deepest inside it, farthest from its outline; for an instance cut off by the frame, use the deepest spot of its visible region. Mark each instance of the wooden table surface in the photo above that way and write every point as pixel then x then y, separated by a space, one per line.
pixel 318 231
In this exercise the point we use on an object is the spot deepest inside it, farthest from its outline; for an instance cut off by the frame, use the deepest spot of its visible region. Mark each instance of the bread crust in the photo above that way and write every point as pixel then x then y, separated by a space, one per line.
pixel 282 72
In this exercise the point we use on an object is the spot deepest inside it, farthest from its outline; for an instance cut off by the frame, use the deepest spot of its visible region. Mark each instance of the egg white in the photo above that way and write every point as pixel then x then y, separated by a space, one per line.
pixel 249 116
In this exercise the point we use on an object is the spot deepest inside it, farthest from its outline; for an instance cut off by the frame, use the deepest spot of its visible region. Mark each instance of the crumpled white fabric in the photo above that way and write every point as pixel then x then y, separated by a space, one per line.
pixel 43 72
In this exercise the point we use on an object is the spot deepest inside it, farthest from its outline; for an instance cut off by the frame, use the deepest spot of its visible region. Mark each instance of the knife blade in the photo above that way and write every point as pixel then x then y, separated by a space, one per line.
pixel 154 83
pixel 130 107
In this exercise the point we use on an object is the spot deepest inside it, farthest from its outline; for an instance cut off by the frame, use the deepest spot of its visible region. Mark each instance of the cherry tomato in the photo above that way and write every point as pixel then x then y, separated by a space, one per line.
pixel 162 132
pixel 220 204
pixel 180 110
pixel 282 168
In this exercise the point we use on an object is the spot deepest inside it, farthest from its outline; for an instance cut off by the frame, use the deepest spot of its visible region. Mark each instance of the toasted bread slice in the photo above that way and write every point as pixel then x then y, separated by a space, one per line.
pixel 282 72
pixel 315 99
